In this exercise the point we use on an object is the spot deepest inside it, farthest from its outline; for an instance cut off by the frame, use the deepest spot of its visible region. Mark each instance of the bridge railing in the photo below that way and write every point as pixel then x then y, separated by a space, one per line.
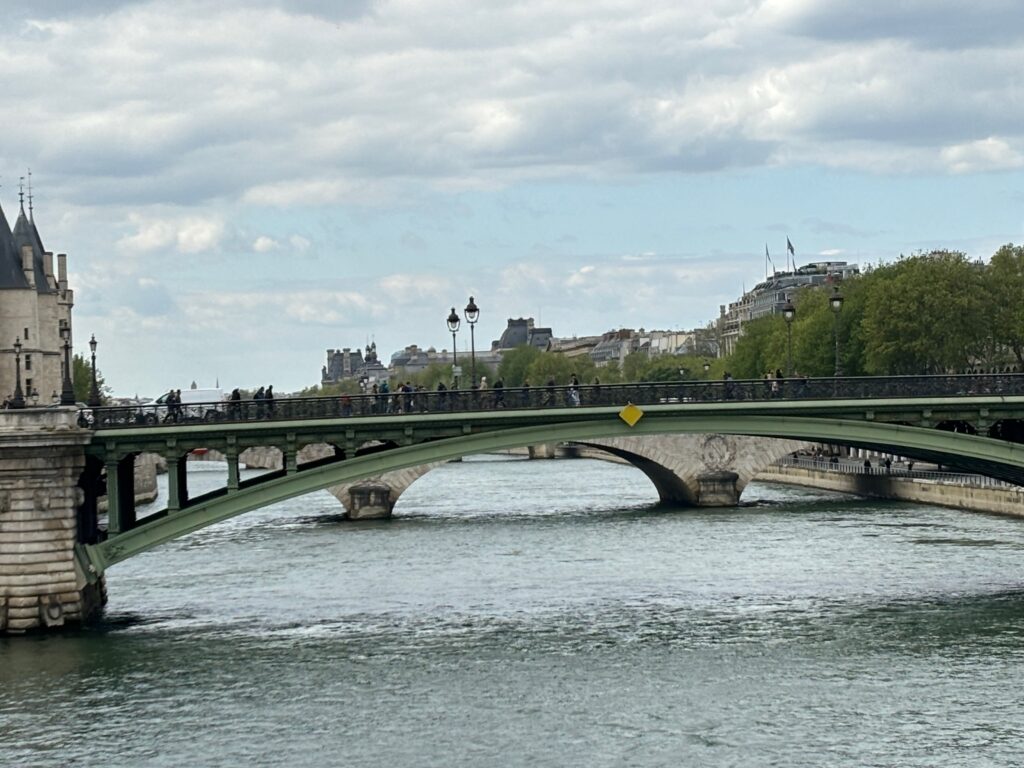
pixel 544 397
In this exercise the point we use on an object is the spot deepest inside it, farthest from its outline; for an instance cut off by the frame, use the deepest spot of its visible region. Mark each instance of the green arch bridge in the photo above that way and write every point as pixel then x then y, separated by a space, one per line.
pixel 974 423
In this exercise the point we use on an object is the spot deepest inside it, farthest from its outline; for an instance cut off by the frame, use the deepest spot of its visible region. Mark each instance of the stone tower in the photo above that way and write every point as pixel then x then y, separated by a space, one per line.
pixel 35 304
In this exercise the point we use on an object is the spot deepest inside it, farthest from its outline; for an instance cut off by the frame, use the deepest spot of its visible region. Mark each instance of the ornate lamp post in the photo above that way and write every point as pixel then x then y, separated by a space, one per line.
pixel 788 314
pixel 453 326
pixel 835 301
pixel 472 315
pixel 67 391
pixel 18 398
pixel 94 392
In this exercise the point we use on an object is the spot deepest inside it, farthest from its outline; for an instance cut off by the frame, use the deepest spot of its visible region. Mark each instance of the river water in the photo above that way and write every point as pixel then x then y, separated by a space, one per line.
pixel 520 613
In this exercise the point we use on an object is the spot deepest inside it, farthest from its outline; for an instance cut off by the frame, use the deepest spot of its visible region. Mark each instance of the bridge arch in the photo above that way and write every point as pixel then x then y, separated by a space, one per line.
pixel 989 456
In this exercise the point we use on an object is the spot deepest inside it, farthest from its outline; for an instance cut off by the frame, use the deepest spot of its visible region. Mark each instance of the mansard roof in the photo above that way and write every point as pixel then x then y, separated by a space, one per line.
pixel 25 234
pixel 11 274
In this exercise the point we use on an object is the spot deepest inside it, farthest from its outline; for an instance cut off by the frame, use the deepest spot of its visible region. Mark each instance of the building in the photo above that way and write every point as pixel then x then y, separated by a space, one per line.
pixel 768 297
pixel 347 364
pixel 35 304
pixel 520 331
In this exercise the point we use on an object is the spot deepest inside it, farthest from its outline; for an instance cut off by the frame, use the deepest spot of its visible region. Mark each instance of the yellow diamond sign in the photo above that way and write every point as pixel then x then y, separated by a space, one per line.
pixel 631 414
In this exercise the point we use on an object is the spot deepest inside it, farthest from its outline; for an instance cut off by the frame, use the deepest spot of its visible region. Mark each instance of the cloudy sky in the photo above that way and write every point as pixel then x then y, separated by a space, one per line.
pixel 241 185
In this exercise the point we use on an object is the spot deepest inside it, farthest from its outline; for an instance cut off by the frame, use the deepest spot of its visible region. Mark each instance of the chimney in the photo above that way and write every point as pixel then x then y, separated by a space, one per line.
pixel 48 268
pixel 62 271
pixel 27 266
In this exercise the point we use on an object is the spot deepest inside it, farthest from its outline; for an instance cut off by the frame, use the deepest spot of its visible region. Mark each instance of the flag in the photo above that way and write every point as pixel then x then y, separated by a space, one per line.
pixel 789 247
pixel 768 258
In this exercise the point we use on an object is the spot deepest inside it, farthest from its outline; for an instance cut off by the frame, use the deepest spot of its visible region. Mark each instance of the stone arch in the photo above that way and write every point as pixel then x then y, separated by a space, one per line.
pixel 704 470
pixel 376 496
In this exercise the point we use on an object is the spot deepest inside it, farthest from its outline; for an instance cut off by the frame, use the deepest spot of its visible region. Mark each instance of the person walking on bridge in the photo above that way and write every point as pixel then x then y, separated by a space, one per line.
pixel 268 396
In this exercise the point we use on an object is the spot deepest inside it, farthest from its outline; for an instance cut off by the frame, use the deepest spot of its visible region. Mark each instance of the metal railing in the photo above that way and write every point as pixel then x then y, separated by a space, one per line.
pixel 848 466
pixel 531 398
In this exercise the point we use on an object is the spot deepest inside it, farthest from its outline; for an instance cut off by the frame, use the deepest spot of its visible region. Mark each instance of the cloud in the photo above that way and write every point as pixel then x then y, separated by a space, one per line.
pixel 183 234
pixel 264 244
pixel 989 154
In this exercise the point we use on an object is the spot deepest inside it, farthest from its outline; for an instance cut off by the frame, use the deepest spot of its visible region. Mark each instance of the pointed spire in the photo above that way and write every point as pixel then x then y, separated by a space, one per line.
pixel 31 213
pixel 21 193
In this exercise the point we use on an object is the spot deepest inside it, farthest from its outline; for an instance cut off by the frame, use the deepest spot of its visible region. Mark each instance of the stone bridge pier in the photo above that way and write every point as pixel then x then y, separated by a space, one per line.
pixel 699 470
pixel 367 499
pixel 43 514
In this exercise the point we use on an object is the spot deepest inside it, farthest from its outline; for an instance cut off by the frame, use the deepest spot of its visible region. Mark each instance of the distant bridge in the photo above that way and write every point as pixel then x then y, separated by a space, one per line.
pixel 974 423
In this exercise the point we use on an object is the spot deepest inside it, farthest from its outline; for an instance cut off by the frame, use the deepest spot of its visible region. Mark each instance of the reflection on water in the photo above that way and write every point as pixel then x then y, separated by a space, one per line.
pixel 543 613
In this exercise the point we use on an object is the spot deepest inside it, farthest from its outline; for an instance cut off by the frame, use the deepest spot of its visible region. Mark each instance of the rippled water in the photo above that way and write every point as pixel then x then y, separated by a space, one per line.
pixel 543 613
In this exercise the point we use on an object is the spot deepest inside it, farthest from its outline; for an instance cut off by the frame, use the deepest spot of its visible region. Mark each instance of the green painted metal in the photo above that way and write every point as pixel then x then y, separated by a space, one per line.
pixel 1001 458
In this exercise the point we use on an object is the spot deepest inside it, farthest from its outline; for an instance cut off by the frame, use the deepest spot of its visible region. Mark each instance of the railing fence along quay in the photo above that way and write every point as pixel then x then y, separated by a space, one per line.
pixel 532 398
pixel 855 467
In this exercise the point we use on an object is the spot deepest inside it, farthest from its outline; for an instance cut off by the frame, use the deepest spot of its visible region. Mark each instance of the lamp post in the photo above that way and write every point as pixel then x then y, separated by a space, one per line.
pixel 835 301
pixel 453 326
pixel 94 392
pixel 788 314
pixel 472 315
pixel 67 392
pixel 18 398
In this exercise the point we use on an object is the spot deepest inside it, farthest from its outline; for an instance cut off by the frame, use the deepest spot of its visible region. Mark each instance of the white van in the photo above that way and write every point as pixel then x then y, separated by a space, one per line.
pixel 206 404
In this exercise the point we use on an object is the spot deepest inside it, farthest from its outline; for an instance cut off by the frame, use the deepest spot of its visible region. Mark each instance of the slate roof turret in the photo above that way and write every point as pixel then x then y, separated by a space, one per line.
pixel 11 274
pixel 25 234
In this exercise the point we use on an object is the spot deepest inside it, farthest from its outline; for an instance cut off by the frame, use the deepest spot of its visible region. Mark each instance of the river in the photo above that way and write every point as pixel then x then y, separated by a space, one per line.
pixel 543 613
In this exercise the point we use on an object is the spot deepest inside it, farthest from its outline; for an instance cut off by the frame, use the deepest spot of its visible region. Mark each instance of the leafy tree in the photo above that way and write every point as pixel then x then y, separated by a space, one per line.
pixel 760 349
pixel 925 314
pixel 558 366
pixel 1005 284
pixel 516 363
pixel 81 379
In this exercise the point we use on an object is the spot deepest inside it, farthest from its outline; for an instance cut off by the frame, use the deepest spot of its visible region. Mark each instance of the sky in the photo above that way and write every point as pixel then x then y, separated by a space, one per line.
pixel 241 185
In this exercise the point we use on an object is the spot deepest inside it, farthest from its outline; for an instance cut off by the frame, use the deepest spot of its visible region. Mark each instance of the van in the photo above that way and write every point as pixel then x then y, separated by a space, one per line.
pixel 205 404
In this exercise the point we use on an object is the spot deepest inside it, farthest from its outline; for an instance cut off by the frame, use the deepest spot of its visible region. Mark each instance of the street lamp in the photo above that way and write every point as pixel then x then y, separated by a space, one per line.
pixel 67 392
pixel 472 315
pixel 788 314
pixel 835 301
pixel 94 392
pixel 18 398
pixel 453 326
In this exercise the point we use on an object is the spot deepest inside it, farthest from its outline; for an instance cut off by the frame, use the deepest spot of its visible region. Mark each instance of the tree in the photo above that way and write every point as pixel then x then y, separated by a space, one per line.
pixel 515 363
pixel 81 379
pixel 1005 282
pixel 925 314
pixel 760 349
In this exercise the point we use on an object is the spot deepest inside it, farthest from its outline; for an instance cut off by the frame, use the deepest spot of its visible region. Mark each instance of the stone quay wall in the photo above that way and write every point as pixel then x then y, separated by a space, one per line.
pixel 996 499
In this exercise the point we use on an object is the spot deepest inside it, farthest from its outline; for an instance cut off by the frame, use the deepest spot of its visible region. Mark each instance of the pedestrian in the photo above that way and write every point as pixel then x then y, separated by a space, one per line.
pixel 730 386
pixel 574 390
pixel 258 399
pixel 268 396
pixel 499 393
pixel 235 404
pixel 888 465
pixel 549 395
pixel 442 396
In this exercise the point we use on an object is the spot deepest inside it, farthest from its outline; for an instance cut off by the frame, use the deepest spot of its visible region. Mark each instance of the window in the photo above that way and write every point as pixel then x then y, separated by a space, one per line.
pixel 26 334
pixel 28 362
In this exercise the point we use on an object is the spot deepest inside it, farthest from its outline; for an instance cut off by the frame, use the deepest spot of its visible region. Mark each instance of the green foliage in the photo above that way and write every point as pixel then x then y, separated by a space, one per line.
pixel 925 314
pixel 81 379
pixel 560 368
pixel 1005 287
pixel 516 363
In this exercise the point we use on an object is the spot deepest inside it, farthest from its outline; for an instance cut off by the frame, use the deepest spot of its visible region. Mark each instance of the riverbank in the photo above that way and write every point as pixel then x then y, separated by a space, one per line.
pixel 966 492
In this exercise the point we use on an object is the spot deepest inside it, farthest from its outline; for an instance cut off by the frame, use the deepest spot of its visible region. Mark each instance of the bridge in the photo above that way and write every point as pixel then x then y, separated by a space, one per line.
pixel 974 423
